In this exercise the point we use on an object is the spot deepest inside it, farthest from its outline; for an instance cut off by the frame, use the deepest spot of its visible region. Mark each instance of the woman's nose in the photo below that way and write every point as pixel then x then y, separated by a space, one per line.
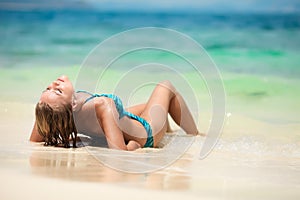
pixel 55 83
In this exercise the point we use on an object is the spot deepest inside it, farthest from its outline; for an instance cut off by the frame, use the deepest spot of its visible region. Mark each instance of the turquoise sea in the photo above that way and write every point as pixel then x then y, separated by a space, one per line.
pixel 265 44
pixel 257 54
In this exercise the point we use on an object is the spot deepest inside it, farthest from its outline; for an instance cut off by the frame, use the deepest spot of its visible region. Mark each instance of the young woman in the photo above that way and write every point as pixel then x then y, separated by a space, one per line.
pixel 61 113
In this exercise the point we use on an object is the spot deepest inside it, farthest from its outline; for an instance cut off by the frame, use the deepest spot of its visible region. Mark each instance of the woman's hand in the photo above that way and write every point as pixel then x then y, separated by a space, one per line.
pixel 133 145
pixel 35 136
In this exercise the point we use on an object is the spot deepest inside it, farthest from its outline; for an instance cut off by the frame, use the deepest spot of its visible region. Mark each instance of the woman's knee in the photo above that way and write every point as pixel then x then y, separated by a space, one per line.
pixel 166 84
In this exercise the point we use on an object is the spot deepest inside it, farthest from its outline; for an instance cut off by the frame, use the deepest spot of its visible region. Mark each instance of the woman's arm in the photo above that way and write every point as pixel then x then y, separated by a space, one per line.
pixel 108 118
pixel 35 136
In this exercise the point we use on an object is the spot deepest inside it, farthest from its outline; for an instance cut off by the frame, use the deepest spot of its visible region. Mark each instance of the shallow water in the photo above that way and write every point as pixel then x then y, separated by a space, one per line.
pixel 242 162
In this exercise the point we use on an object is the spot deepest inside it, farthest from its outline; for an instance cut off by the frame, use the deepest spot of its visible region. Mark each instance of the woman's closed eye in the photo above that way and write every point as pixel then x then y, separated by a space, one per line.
pixel 46 89
pixel 58 91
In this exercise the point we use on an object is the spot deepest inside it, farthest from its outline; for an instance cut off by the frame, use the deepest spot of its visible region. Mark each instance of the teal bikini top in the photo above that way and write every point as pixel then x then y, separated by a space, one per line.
pixel 122 112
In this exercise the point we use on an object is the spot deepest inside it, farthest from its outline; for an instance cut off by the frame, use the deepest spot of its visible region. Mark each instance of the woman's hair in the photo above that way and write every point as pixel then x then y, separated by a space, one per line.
pixel 56 125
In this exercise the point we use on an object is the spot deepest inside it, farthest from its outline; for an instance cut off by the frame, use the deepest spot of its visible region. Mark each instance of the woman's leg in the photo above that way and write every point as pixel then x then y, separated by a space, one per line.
pixel 137 109
pixel 165 99
pixel 181 114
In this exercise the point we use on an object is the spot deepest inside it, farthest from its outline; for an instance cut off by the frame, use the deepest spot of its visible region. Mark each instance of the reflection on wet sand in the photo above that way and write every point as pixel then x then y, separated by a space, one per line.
pixel 79 165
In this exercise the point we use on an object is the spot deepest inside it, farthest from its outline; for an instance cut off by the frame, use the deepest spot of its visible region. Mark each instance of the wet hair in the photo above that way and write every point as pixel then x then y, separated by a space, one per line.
pixel 56 125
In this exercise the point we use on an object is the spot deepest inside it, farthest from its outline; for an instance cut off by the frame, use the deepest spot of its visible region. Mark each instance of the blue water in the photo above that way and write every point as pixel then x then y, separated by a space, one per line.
pixel 238 43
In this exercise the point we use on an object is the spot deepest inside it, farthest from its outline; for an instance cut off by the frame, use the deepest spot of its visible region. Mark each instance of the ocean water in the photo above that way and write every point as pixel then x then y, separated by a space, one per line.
pixel 266 44
pixel 257 54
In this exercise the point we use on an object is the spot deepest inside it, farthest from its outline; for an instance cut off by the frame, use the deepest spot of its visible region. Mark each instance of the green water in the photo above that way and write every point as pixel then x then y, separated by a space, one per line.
pixel 269 97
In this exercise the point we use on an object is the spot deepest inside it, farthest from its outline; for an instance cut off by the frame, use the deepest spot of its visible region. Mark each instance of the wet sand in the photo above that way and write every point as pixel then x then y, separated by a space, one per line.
pixel 240 167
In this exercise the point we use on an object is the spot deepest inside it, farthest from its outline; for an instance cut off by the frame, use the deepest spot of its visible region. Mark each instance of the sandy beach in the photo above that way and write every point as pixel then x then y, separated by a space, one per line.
pixel 240 167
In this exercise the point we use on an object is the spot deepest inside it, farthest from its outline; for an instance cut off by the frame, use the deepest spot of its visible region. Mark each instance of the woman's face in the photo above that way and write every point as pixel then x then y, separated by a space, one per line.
pixel 59 92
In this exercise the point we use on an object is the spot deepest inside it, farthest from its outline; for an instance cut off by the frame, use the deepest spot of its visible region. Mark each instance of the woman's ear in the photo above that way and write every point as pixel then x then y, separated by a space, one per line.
pixel 75 106
pixel 77 103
